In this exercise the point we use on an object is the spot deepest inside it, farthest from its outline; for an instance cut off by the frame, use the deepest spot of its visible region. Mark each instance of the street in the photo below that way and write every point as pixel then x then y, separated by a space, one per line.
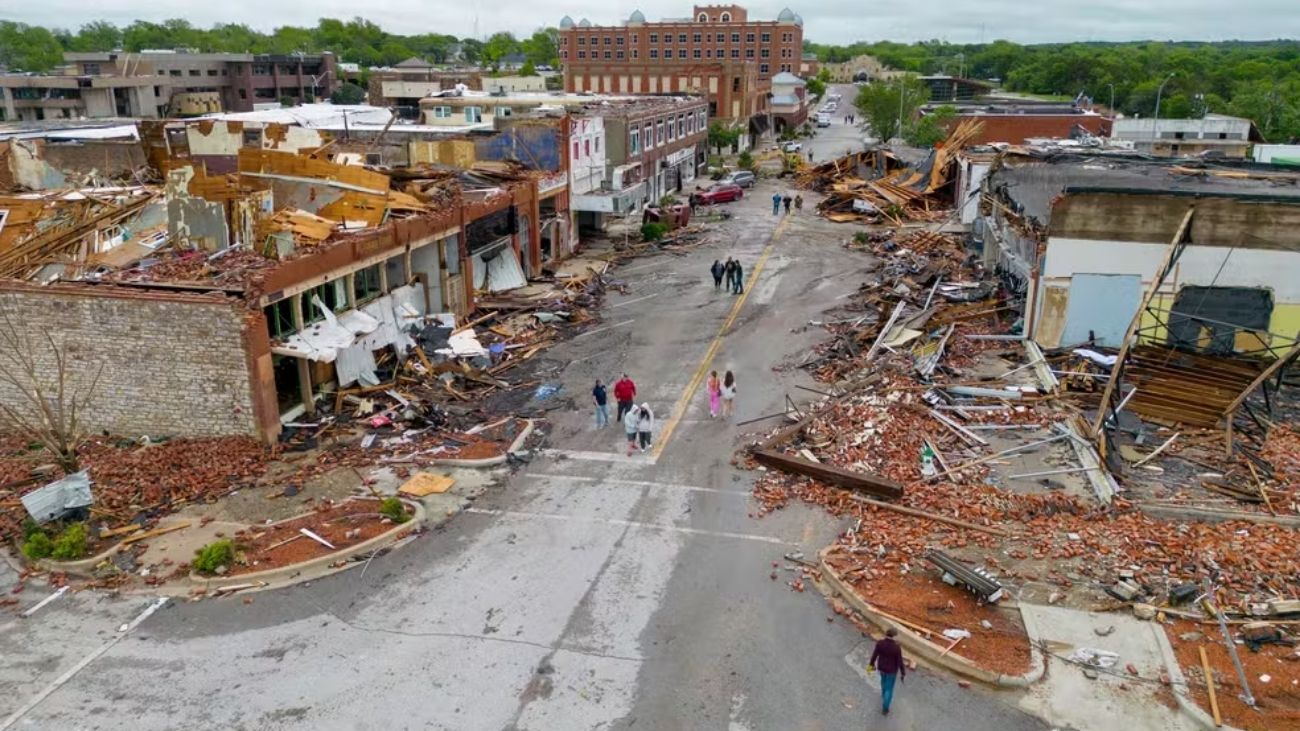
pixel 589 590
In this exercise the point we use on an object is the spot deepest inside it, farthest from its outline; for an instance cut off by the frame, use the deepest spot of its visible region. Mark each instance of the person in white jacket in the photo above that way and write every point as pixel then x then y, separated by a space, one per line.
pixel 630 422
pixel 645 426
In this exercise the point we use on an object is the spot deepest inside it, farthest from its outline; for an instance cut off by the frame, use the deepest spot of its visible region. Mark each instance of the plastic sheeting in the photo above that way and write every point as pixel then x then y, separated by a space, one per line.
pixel 500 271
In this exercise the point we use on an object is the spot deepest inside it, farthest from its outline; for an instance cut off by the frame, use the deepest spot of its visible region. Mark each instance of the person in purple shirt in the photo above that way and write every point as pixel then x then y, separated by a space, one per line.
pixel 887 658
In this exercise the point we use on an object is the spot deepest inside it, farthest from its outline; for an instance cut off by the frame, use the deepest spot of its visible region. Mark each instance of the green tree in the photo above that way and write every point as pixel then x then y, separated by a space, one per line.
pixel 815 87
pixel 884 103
pixel 348 93
pixel 541 48
pixel 721 136
pixel 498 46
pixel 528 69
pixel 28 48
pixel 932 128
pixel 98 35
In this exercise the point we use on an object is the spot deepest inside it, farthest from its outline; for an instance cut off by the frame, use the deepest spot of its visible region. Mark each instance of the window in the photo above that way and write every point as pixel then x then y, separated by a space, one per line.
pixel 442 112
pixel 596 146
pixel 647 136
pixel 609 41
pixel 767 37
pixel 696 53
pixel 174 72
pixel 787 37
pixel 504 111
pixel 582 54
pixel 587 147
pixel 696 37
pixel 690 124
pixel 608 55
pixel 749 37
pixel 681 126
pixel 659 132
pixel 212 72
pixel 725 17
pixel 634 140
pixel 704 18
pixel 735 53
pixel 366 284
pixel 735 38
pixel 735 83
pixel 763 68
pixel 681 53
pixel 279 319
pixel 722 53
pixel 331 294
pixel 749 53
pixel 577 150
pixel 708 53
pixel 619 55
pixel 259 69
pixel 635 53
pixel 654 53
pixel 618 41
pixel 670 136
pixel 766 52
pixel 681 38
pixel 564 54
pixel 473 115
pixel 451 254
pixel 654 37
pixel 582 40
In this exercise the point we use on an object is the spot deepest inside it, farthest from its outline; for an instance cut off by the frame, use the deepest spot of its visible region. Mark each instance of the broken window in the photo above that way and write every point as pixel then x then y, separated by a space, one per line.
pixel 279 319
pixel 451 255
pixel 366 284
pixel 331 294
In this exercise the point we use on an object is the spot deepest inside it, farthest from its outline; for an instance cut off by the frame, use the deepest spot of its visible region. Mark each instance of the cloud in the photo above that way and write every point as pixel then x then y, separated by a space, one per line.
pixel 826 21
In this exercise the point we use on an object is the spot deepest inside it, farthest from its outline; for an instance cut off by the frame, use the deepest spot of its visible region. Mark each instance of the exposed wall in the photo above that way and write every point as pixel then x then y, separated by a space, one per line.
pixel 171 364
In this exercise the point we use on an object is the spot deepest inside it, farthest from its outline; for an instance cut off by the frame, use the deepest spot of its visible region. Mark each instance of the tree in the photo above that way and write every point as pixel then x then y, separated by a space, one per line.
pixel 28 48
pixel 49 399
pixel 348 93
pixel 816 87
pixel 498 46
pixel 884 103
pixel 528 69
pixel 721 136
pixel 932 128
pixel 541 48
pixel 98 35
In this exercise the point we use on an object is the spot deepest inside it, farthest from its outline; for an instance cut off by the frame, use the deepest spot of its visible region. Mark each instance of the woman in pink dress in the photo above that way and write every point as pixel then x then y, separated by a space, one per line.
pixel 715 394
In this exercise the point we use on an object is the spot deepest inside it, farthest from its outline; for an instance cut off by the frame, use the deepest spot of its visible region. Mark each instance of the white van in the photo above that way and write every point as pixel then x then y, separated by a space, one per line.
pixel 823 120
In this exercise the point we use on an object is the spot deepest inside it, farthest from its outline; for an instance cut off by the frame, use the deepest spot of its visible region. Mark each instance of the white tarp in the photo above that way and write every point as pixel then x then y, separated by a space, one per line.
pixel 464 344
pixel 375 325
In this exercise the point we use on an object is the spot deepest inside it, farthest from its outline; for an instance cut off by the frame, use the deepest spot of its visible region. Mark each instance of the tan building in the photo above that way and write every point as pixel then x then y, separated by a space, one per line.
pixel 80 92
pixel 717 52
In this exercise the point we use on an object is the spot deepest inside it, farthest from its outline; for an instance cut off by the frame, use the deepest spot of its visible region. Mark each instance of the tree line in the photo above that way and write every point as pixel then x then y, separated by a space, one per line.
pixel 33 48
pixel 1258 80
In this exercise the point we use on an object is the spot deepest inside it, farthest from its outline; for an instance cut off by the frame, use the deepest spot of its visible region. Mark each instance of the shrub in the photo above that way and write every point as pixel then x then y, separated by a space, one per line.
pixel 653 231
pixel 31 528
pixel 214 555
pixel 746 161
pixel 71 543
pixel 38 546
pixel 393 508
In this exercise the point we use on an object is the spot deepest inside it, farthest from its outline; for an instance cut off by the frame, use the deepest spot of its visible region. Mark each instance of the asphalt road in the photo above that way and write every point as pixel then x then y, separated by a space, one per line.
pixel 588 591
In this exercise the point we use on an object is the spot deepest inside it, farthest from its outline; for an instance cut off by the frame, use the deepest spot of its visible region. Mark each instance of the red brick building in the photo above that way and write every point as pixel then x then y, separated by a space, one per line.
pixel 1014 126
pixel 718 52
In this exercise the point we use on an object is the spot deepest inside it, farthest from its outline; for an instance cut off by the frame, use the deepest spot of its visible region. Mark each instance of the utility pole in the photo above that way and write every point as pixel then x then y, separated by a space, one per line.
pixel 1112 100
pixel 1155 120
pixel 902 94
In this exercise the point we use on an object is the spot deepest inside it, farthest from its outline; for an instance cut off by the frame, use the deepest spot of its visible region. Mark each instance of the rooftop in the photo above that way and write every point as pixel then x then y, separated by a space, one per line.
pixel 1034 183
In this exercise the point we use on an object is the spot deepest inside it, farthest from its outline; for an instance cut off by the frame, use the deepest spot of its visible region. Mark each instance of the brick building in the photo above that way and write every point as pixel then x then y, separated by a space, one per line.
pixel 1013 124
pixel 718 52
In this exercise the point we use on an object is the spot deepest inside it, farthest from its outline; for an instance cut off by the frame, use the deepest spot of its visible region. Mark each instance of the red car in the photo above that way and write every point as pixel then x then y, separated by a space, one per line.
pixel 720 193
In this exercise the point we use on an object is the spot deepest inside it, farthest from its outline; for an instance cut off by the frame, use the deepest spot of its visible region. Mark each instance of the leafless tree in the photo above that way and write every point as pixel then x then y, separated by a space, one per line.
pixel 46 404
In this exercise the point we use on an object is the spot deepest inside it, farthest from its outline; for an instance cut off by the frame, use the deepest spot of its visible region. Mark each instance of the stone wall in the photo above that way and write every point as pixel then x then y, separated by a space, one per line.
pixel 172 364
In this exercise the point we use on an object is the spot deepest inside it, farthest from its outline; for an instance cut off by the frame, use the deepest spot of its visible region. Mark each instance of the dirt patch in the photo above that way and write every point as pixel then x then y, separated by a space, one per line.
pixel 1278 700
pixel 998 641
pixel 343 525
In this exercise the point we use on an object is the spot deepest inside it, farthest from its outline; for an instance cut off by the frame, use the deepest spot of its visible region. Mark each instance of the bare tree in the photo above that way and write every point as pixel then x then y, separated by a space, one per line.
pixel 46 406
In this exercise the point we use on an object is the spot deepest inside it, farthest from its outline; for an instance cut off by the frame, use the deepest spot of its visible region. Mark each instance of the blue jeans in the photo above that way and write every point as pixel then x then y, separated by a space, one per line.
pixel 602 415
pixel 776 208
pixel 887 690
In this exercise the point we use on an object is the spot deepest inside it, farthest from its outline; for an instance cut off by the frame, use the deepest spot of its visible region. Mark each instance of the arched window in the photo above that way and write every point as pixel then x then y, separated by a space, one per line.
pixel 726 17
pixel 704 18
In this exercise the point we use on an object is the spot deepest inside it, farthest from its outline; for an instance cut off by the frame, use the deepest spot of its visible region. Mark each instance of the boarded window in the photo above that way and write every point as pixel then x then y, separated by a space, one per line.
pixel 1220 320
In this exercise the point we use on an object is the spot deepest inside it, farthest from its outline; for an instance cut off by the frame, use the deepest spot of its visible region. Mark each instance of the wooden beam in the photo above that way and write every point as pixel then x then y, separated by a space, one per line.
pixel 929 516
pixel 861 481
pixel 1270 370
pixel 1209 687
pixel 1161 272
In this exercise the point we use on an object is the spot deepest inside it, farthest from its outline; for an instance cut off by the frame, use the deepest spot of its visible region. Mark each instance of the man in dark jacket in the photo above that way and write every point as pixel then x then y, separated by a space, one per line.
pixel 887 658
pixel 738 278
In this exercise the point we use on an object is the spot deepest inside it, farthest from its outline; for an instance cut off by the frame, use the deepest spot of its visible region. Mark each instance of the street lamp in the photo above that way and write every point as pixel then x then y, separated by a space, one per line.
pixel 902 94
pixel 1112 100
pixel 1155 121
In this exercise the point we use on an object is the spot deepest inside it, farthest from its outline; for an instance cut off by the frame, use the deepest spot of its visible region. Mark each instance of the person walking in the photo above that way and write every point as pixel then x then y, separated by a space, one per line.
pixel 645 426
pixel 798 202
pixel 728 394
pixel 630 423
pixel 887 659
pixel 776 203
pixel 810 156
pixel 787 200
pixel 624 394
pixel 738 278
pixel 730 271
pixel 714 387
pixel 717 270
pixel 598 396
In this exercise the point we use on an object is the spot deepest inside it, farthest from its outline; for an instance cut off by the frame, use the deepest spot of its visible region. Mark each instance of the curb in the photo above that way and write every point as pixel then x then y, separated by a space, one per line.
pixel 488 461
pixel 1178 683
pixel 289 575
pixel 928 651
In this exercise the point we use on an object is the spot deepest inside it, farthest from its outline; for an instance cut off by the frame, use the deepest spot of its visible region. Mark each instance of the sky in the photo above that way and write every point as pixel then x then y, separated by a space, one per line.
pixel 825 21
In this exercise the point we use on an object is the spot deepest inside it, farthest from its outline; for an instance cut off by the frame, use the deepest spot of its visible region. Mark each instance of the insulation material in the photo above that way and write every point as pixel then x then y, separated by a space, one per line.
pixel 464 344
pixel 354 364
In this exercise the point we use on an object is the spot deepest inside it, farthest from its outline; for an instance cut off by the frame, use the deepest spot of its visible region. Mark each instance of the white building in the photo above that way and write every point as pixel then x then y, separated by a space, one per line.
pixel 1217 133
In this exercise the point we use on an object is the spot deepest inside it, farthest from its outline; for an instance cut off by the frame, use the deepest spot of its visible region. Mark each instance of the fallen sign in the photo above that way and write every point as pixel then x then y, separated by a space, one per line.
pixel 863 482
pixel 978 580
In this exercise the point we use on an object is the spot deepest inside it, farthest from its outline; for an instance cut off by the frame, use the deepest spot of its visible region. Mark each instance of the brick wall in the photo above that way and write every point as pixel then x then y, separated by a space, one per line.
pixel 173 364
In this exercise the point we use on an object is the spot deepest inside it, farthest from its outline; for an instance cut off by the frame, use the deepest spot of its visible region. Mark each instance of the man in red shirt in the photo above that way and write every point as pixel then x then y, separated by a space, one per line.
pixel 625 394
pixel 887 658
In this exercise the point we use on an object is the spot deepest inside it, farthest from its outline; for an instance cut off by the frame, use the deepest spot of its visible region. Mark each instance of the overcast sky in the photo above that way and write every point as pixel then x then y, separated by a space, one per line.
pixel 825 21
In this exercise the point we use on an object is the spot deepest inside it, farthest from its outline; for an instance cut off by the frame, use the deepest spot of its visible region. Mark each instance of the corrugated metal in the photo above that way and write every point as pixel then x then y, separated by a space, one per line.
pixel 59 498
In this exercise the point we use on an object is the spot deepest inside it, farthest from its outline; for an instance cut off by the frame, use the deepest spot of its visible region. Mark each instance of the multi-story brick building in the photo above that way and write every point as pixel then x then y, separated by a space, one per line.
pixel 718 52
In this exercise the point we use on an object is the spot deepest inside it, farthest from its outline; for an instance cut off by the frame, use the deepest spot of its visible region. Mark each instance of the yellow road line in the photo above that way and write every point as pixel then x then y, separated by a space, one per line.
pixel 683 403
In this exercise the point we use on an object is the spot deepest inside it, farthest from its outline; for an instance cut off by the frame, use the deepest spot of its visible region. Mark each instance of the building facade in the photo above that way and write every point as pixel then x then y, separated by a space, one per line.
pixel 789 102
pixel 718 52
pixel 1214 133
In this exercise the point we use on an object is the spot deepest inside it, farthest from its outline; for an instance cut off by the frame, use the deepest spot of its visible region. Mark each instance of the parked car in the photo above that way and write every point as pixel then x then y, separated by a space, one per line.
pixel 719 193
pixel 792 146
pixel 743 178
pixel 823 120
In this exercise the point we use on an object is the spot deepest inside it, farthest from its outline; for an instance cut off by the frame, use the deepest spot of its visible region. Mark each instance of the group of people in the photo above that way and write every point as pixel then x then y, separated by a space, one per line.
pixel 778 200
pixel 732 271
pixel 848 118
pixel 639 421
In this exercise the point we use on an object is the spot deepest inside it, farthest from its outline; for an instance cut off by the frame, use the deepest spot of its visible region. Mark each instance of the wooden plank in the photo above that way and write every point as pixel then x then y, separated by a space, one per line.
pixel 1263 376
pixel 929 516
pixel 838 476
pixel 153 533
pixel 1209 687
